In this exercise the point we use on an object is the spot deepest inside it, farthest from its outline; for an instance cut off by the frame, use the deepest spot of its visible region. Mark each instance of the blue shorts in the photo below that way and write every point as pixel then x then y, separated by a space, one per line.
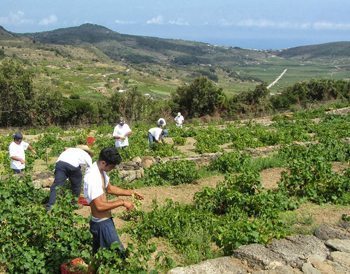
pixel 104 234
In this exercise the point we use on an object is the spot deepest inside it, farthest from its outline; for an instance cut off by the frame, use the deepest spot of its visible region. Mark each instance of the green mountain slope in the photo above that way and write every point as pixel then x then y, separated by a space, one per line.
pixel 328 50
pixel 141 49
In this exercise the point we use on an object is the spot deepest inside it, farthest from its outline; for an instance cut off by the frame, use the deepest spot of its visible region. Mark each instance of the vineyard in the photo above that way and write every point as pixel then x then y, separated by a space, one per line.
pixel 310 148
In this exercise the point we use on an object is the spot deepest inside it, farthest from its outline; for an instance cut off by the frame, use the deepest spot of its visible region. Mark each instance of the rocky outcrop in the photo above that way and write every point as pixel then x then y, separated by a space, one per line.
pixel 328 252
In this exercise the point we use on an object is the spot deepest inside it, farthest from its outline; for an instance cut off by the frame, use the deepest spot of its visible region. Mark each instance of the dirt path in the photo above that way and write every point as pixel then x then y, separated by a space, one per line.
pixel 181 193
pixel 277 79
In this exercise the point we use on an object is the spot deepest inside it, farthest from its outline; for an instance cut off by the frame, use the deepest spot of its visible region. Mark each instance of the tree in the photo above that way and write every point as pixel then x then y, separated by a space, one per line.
pixel 47 108
pixel 199 98
pixel 132 105
pixel 16 92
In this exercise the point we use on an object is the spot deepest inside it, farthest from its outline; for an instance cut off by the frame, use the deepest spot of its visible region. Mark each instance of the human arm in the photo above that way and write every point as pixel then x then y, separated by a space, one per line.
pixel 31 149
pixel 102 205
pixel 17 158
pixel 123 192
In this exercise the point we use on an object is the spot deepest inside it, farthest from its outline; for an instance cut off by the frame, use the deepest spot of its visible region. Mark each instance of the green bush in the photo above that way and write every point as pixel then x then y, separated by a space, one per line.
pixel 172 172
pixel 230 162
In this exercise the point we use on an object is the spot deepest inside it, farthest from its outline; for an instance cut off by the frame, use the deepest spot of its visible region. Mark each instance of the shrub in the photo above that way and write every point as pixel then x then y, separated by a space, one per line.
pixel 172 172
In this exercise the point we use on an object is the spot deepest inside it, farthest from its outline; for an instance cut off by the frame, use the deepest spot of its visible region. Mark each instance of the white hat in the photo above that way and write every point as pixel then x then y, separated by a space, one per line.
pixel 179 114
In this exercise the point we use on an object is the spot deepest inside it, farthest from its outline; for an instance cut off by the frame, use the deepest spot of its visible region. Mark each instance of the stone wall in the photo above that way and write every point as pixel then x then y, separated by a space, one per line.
pixel 325 252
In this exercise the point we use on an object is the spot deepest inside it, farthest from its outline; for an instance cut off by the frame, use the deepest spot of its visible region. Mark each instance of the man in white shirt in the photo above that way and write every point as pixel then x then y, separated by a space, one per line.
pixel 17 153
pixel 156 135
pixel 68 166
pixel 121 133
pixel 179 119
pixel 96 188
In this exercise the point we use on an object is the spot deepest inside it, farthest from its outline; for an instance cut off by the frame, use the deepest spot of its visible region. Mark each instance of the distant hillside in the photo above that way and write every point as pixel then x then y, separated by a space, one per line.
pixel 328 50
pixel 141 49
pixel 4 34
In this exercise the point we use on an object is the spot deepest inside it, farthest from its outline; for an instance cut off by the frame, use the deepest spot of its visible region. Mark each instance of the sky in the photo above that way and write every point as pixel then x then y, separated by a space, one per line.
pixel 253 24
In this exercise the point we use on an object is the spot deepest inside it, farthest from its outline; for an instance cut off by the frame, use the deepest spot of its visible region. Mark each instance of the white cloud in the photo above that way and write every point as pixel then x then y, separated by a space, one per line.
pixel 179 22
pixel 158 20
pixel 121 22
pixel 52 19
pixel 331 26
pixel 265 23
pixel 15 18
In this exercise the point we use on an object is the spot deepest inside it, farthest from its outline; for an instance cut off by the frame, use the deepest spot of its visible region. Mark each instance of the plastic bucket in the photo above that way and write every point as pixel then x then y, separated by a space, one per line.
pixel 90 140
pixel 82 201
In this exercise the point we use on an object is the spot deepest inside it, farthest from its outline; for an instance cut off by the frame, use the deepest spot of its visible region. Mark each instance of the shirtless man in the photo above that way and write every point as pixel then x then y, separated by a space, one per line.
pixel 96 188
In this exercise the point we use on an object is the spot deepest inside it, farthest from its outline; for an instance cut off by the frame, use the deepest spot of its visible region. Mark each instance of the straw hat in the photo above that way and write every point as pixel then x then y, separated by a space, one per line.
pixel 85 148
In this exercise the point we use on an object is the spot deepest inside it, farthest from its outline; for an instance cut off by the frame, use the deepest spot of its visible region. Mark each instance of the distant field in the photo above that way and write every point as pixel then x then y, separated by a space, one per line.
pixel 87 72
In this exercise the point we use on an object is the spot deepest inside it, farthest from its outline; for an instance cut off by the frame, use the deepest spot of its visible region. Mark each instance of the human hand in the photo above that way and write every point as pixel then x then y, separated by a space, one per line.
pixel 137 196
pixel 128 205
pixel 22 161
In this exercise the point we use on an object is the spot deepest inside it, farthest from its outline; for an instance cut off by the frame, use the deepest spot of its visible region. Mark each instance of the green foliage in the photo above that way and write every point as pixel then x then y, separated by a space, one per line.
pixel 310 176
pixel 16 92
pixel 179 141
pixel 172 172
pixel 33 237
pixel 189 230
pixel 164 150
pixel 304 93
pixel 201 97
pixel 133 260
pixel 230 162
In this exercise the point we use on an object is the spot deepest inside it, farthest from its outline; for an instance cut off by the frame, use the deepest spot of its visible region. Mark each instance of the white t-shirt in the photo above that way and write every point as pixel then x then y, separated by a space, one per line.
pixel 121 131
pixel 156 132
pixel 18 151
pixel 75 157
pixel 179 119
pixel 93 186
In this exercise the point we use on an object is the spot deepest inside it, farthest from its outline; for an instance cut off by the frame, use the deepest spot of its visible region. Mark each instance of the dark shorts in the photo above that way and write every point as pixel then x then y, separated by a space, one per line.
pixel 104 234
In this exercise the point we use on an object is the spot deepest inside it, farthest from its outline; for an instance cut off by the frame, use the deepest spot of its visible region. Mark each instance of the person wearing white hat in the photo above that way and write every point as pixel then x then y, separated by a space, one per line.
pixel 17 153
pixel 179 119
pixel 68 166
pixel 161 122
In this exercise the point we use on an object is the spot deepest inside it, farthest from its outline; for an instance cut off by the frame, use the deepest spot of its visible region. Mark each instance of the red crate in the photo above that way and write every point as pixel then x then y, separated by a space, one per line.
pixel 82 201
pixel 66 268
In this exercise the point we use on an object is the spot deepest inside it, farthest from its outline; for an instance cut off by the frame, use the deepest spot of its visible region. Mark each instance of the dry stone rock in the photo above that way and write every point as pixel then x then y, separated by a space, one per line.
pixel 223 265
pixel 339 245
pixel 147 161
pixel 307 268
pixel 284 269
pixel 324 266
pixel 258 256
pixel 327 231
pixel 296 250
pixel 341 258
pixel 137 160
